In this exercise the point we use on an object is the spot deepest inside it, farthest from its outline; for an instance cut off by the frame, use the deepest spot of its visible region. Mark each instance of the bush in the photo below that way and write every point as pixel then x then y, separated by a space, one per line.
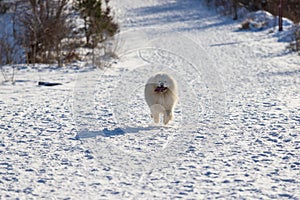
pixel 291 8
pixel 9 55
pixel 99 28
pixel 227 7
pixel 295 42
pixel 46 33
pixel 3 7
pixel 99 24
pixel 43 26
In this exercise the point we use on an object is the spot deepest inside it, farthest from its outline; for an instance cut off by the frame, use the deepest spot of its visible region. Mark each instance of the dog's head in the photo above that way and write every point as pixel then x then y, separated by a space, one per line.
pixel 163 83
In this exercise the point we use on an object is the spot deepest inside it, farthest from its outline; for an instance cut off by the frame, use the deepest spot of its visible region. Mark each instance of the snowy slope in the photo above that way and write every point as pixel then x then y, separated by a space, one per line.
pixel 236 132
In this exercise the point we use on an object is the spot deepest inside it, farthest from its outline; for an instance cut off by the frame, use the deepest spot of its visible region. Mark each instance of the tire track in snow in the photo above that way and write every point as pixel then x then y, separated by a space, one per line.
pixel 119 129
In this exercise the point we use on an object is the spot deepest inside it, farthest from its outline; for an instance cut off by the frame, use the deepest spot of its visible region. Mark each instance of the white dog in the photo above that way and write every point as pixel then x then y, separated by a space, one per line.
pixel 161 96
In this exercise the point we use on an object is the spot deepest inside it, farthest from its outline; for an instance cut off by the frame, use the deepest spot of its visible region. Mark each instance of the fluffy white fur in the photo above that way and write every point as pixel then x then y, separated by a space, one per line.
pixel 161 96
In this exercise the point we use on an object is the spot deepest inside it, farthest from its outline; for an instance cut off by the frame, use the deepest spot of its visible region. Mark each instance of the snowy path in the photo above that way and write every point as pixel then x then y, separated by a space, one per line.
pixel 236 132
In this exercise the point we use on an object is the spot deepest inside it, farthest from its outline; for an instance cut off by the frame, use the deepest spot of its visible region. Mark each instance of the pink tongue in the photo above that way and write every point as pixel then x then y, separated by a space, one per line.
pixel 160 89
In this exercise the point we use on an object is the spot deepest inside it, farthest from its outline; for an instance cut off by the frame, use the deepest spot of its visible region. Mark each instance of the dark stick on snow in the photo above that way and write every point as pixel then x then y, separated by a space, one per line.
pixel 48 84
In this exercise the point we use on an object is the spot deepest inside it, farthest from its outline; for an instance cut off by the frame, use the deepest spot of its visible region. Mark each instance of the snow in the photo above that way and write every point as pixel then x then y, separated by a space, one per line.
pixel 236 132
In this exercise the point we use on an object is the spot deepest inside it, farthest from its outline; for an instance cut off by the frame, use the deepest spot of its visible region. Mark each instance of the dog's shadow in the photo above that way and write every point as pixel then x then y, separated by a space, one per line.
pixel 85 134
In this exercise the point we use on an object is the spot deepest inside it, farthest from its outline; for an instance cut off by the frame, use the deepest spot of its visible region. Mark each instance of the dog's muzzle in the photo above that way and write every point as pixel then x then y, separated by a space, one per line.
pixel 160 88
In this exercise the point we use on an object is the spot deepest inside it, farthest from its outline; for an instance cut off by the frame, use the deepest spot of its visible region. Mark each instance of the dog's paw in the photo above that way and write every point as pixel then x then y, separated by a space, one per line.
pixel 168 116
pixel 156 119
pixel 166 121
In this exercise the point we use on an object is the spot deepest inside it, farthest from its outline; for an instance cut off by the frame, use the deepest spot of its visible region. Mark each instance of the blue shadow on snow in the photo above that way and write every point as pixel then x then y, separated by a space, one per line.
pixel 85 134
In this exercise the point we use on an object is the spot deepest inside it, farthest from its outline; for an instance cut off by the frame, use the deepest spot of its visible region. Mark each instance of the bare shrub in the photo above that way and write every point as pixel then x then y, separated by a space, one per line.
pixel 43 26
pixel 224 6
pixel 209 2
pixel 9 55
pixel 291 9
pixel 10 51
pixel 71 56
pixel 3 7
pixel 105 53
pixel 295 42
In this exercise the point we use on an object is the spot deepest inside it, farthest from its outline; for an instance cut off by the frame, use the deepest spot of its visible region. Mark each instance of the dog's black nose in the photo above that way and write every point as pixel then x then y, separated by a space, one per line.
pixel 161 85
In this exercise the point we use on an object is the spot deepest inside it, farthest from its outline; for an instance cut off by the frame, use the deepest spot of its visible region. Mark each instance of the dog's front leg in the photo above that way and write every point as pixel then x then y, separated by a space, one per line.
pixel 168 115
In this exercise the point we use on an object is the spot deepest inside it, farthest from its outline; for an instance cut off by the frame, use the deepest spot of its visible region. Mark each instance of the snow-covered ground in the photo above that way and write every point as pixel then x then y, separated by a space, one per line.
pixel 236 133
